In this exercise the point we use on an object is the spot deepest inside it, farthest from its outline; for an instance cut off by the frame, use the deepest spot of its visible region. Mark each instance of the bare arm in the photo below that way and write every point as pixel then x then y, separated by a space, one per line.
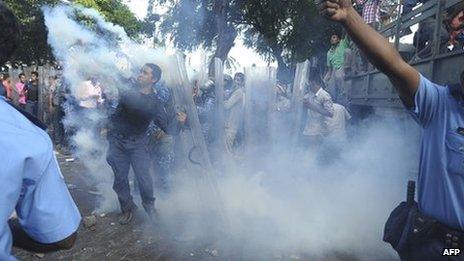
pixel 376 48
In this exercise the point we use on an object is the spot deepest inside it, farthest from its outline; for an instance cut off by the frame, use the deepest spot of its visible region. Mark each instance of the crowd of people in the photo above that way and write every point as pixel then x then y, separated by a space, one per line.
pixel 118 117
pixel 25 93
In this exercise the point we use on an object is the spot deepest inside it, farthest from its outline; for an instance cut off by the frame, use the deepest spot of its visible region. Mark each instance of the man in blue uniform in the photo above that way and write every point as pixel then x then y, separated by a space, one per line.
pixel 205 103
pixel 440 112
pixel 161 146
pixel 31 181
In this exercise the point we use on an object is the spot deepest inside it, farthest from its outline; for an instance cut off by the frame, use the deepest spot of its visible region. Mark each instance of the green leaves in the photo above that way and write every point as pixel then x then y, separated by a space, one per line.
pixel 116 12
pixel 34 46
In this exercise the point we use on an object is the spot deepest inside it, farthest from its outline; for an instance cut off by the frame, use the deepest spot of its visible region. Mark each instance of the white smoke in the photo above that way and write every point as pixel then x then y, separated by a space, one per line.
pixel 294 204
pixel 88 46
pixel 281 204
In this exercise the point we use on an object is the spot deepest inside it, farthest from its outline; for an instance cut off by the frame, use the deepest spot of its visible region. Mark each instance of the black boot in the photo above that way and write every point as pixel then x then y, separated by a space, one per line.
pixel 127 216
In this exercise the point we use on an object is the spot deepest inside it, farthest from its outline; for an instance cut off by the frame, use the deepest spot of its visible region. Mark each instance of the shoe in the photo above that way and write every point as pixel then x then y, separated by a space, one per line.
pixel 151 213
pixel 126 217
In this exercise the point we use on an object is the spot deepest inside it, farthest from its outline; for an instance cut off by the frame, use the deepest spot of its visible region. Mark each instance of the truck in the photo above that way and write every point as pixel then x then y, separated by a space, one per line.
pixel 372 92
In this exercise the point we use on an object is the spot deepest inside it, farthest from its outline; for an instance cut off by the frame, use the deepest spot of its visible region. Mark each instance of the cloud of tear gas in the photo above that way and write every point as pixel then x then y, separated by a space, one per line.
pixel 282 203
pixel 89 47
pixel 277 203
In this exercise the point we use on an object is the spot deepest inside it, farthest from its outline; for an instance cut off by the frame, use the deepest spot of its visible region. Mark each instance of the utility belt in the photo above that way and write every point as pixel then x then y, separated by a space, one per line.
pixel 425 228
pixel 406 227
pixel 124 136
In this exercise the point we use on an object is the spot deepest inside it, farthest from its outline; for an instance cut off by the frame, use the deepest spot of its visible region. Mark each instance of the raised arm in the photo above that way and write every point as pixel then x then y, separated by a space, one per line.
pixel 377 49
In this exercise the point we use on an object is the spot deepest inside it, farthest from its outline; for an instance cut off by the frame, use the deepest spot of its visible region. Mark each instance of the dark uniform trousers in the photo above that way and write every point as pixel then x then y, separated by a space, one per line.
pixel 124 152
pixel 162 156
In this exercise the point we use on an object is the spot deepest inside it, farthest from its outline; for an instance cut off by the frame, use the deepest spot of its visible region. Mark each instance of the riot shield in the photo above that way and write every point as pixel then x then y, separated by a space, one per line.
pixel 219 110
pixel 272 100
pixel 297 101
pixel 194 136
pixel 259 102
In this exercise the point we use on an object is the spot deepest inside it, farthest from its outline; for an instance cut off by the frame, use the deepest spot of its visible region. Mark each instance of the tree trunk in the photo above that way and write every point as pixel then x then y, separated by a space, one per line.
pixel 226 33
pixel 283 72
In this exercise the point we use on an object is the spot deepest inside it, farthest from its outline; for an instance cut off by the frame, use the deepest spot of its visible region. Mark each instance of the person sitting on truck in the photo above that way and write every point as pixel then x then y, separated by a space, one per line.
pixel 423 38
pixel 456 27
pixel 441 172
pixel 335 74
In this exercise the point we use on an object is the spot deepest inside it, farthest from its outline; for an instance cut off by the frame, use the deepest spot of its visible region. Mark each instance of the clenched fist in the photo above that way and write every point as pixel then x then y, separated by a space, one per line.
pixel 335 10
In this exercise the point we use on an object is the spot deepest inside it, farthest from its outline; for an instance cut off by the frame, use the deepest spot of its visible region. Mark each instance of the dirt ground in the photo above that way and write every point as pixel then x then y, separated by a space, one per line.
pixel 107 240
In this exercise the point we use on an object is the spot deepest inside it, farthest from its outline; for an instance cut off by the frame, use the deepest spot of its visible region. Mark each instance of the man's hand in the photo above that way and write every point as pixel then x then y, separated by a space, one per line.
pixel 181 117
pixel 335 10
pixel 160 134
pixel 306 102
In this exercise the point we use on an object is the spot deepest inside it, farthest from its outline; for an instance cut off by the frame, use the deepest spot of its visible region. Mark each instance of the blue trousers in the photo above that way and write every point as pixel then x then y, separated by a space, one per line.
pixel 123 153
pixel 162 156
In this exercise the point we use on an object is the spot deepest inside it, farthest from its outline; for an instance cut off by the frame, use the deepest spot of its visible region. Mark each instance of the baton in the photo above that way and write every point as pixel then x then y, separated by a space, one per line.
pixel 411 192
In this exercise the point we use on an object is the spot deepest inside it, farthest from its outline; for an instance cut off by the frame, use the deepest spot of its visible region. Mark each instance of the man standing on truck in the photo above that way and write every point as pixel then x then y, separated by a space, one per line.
pixel 440 113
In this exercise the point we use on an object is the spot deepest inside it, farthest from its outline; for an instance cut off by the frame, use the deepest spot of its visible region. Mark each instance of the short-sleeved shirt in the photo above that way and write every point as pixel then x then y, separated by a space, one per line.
pixel 20 88
pixel 89 95
pixel 337 124
pixel 336 55
pixel 441 167
pixel 32 91
pixel 31 183
pixel 318 124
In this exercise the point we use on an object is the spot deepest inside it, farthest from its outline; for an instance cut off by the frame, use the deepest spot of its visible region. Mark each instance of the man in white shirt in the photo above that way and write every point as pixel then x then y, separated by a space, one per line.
pixel 89 94
pixel 320 110
pixel 337 124
pixel 234 111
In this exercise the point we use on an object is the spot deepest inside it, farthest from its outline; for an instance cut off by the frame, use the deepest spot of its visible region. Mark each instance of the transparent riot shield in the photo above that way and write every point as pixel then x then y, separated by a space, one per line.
pixel 297 102
pixel 219 125
pixel 193 137
pixel 259 102
pixel 272 101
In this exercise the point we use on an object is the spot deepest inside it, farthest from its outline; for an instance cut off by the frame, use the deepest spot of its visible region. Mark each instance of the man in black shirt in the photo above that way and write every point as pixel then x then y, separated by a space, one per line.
pixel 128 144
pixel 32 94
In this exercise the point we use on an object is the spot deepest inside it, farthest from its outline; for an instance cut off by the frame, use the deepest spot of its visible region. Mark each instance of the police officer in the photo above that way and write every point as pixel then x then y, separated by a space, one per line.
pixel 31 181
pixel 205 102
pixel 161 146
pixel 128 142
pixel 441 116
